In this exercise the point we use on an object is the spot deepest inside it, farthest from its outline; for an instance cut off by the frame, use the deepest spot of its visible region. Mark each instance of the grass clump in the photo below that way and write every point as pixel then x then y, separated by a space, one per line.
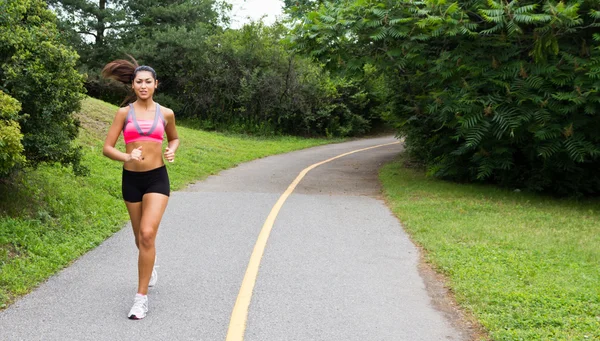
pixel 526 266
pixel 49 217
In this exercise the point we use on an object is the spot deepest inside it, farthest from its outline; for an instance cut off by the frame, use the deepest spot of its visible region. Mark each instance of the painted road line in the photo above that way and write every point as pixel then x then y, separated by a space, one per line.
pixel 239 316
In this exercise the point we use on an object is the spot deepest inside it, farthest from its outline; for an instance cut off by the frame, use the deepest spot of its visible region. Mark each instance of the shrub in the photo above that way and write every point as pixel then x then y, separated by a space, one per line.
pixel 39 72
pixel 11 148
pixel 247 78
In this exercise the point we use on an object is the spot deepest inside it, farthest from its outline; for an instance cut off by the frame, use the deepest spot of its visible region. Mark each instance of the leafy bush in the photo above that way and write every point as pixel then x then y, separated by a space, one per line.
pixel 252 77
pixel 11 148
pixel 247 81
pixel 39 72
pixel 484 91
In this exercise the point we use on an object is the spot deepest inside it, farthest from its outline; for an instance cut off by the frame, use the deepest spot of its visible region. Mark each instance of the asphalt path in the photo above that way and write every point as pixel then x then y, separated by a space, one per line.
pixel 337 265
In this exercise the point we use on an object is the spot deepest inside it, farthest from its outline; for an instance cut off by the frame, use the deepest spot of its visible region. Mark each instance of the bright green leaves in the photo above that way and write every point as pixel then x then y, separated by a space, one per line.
pixel 39 72
pixel 11 149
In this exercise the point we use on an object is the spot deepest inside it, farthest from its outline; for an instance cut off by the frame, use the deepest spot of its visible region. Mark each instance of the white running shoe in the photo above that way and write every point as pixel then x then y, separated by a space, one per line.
pixel 153 278
pixel 140 307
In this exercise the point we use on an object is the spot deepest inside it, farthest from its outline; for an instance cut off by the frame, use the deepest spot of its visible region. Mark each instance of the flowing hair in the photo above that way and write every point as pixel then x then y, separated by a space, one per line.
pixel 124 71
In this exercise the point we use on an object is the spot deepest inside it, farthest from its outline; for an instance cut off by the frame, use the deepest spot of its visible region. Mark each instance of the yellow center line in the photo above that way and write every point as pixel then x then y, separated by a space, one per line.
pixel 239 316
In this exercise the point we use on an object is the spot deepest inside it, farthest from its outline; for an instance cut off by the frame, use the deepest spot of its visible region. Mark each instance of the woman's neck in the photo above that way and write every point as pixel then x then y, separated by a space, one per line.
pixel 145 103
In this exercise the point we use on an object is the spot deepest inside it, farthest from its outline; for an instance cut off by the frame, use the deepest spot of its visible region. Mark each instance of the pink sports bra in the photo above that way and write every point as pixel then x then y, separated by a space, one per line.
pixel 143 130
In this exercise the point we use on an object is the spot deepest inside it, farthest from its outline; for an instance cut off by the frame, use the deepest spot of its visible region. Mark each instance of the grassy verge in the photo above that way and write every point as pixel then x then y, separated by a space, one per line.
pixel 49 217
pixel 527 267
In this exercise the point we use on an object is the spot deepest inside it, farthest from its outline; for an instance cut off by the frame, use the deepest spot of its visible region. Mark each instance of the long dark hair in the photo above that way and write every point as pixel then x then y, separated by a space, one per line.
pixel 124 71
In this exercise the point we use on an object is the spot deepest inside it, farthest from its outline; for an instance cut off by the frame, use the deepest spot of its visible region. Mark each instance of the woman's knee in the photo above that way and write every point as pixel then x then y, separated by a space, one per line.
pixel 146 237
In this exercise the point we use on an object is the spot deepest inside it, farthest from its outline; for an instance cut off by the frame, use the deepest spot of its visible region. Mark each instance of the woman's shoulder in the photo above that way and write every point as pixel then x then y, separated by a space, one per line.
pixel 166 111
pixel 122 112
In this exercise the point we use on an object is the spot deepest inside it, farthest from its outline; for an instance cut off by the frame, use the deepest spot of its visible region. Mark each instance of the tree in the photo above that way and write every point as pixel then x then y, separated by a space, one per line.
pixel 171 37
pixel 298 8
pixel 109 27
pixel 153 15
pixel 150 30
pixel 39 72
pixel 90 18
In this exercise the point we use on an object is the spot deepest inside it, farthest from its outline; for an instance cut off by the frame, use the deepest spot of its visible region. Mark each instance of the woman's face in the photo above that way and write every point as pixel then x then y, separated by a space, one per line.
pixel 144 84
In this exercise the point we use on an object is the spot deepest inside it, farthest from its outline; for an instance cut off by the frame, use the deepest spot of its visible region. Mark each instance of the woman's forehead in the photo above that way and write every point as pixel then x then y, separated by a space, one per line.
pixel 144 75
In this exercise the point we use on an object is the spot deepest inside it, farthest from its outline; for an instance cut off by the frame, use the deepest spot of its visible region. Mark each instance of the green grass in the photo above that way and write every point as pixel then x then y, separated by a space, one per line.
pixel 49 217
pixel 526 266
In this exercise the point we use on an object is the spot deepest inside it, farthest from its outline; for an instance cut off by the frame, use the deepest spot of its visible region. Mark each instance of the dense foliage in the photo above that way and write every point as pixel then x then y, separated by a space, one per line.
pixel 11 148
pixel 244 80
pixel 499 91
pixel 105 30
pixel 37 70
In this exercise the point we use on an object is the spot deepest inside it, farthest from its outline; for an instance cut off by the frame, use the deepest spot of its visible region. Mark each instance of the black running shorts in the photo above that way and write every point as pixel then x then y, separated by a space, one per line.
pixel 135 184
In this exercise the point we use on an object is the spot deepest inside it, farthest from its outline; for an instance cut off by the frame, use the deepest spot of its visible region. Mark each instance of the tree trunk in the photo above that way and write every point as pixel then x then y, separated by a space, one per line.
pixel 101 24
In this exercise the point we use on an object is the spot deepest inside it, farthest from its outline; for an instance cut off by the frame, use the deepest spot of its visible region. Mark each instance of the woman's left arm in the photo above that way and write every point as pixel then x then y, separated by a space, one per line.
pixel 172 136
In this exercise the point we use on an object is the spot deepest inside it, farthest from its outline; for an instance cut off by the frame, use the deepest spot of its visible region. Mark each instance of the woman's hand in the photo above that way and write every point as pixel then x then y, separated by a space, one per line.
pixel 136 154
pixel 169 155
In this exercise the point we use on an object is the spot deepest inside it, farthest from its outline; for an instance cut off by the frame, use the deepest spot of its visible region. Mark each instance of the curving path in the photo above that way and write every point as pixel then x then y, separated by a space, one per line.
pixel 337 264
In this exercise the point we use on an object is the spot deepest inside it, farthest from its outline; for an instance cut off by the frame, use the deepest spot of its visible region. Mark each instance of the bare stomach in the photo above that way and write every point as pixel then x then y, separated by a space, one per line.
pixel 152 156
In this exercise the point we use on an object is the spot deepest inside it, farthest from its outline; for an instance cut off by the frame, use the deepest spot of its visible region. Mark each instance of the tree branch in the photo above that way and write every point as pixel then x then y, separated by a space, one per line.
pixel 88 33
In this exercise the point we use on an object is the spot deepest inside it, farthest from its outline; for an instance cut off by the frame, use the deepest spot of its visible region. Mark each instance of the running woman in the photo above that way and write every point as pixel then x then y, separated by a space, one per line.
pixel 145 182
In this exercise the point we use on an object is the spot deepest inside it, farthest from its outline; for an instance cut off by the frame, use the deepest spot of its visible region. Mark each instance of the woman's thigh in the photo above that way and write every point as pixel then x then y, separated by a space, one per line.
pixel 135 215
pixel 153 208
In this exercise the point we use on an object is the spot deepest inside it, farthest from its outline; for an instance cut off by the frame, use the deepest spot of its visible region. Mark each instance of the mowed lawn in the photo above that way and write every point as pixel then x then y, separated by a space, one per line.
pixel 526 266
pixel 49 217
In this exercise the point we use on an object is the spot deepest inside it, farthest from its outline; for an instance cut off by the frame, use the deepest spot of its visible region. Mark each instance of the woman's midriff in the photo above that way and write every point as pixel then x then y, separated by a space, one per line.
pixel 152 156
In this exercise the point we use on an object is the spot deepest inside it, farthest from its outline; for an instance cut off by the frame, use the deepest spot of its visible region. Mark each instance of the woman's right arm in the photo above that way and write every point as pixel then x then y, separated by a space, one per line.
pixel 114 131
